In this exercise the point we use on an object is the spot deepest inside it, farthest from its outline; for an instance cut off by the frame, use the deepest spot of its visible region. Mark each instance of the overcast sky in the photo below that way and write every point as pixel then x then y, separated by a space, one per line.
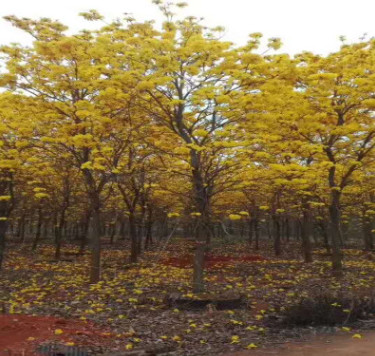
pixel 313 25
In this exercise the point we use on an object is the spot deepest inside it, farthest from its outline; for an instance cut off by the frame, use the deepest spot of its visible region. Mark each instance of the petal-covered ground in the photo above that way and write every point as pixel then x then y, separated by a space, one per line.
pixel 127 310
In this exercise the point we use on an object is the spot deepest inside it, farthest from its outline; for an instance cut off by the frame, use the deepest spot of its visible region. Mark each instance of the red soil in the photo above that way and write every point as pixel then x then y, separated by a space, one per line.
pixel 21 334
pixel 211 261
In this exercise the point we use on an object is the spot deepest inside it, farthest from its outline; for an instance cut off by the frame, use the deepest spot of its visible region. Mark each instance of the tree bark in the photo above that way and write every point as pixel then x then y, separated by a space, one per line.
pixel 367 234
pixel 305 236
pixel 59 234
pixel 94 191
pixel 323 230
pixel 38 229
pixel 334 211
pixel 250 232
pixel 84 232
pixel 287 230
pixel 3 230
pixel 22 228
pixel 277 237
pixel 202 233
pixel 256 230
pixel 95 242
pixel 133 238
pixel 149 223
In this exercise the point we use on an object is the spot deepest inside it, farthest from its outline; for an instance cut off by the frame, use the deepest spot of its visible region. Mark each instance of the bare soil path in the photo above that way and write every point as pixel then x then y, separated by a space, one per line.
pixel 336 345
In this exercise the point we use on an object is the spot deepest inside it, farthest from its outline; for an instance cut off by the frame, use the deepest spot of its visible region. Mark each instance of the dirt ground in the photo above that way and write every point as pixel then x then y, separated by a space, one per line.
pixel 337 345
pixel 21 334
pixel 128 310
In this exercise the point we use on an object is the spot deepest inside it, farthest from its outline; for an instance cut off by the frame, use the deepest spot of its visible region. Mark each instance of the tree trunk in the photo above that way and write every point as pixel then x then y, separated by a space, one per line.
pixel 22 229
pixel 367 234
pixel 256 230
pixel 38 229
pixel 84 232
pixel 269 232
pixel 141 230
pixel 59 234
pixel 45 229
pixel 3 230
pixel 277 237
pixel 202 233
pixel 287 230
pixel 250 232
pixel 113 229
pixel 325 237
pixel 305 236
pixel 112 233
pixel 149 223
pixel 297 230
pixel 133 238
pixel 334 211
pixel 198 267
pixel 95 242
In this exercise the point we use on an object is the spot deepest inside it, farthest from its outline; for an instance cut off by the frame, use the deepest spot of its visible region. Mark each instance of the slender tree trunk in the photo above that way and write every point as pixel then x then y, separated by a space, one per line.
pixel 133 238
pixel 250 232
pixel 165 228
pixel 198 265
pixel 76 232
pixel 3 230
pixel 113 229
pixel 287 230
pixel 95 242
pixel 203 233
pixel 112 233
pixel 84 232
pixel 344 233
pixel 22 229
pixel 277 237
pixel 18 231
pixel 149 224
pixel 325 237
pixel 256 230
pixel 305 236
pixel 297 230
pixel 5 210
pixel 201 247
pixel 122 232
pixel 367 234
pixel 38 229
pixel 141 230
pixel 55 225
pixel 94 191
pixel 334 211
pixel 269 232
pixel 45 229
pixel 31 226
pixel 59 234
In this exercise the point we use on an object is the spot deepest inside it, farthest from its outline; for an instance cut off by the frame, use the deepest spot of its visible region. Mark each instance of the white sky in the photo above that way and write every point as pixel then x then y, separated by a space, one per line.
pixel 312 25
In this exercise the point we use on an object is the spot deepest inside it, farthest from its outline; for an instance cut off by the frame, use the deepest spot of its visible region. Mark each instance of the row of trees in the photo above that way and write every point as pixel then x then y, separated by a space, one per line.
pixel 131 121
